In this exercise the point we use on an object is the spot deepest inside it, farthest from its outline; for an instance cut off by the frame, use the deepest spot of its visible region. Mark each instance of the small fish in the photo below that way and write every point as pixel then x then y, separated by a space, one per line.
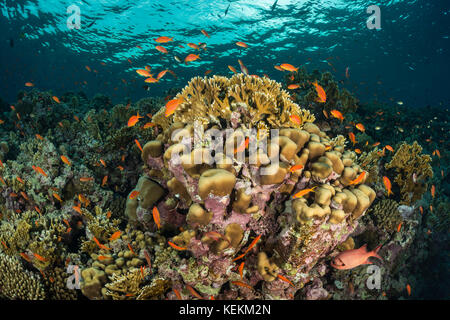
pixel 56 99
pixel 358 179
pixel 161 49
pixel 208 72
pixel 431 208
pixel 375 144
pixel 296 119
pixel 171 106
pixel 37 210
pixel 389 148
pixel 131 249
pixel 105 179
pixel 144 73
pixel 205 33
pixel 421 210
pixel 303 192
pixel 241 268
pixel 24 195
pixel 296 167
pixel 77 209
pixel 151 80
pixel 352 137
pixel 358 151
pixel 4 244
pixel 288 67
pixel 293 86
pixel 243 146
pixel 177 59
pixel 191 57
pixel 20 180
pixel 39 137
pixel 242 44
pixel 242 284
pixel 285 279
pixel 279 68
pixel 193 46
pixel 25 256
pixel 115 236
pixel 193 292
pixel 138 145
pixel 29 84
pixel 388 185
pixel 86 179
pixel 142 272
pixel 40 258
pixel 108 214
pixel 360 127
pixel 156 217
pixel 433 191
pixel 399 227
pixel 103 258
pixel 177 293
pixel 57 197
pixel 322 97
pixel 134 194
pixel 243 67
pixel 161 74
pixel 133 120
pixel 408 289
pixel 347 73
pixel 103 162
pixel 337 114
pixel 163 39
pixel 147 257
pixel 120 168
pixel 173 245
pixel 66 160
pixel 40 171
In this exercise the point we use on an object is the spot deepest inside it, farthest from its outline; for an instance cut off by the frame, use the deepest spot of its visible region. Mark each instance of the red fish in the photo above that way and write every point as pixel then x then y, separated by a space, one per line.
pixel 388 185
pixel 242 44
pixel 156 217
pixel 353 258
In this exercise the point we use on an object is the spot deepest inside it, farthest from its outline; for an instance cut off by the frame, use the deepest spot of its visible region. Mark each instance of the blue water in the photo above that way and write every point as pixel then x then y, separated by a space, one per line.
pixel 406 60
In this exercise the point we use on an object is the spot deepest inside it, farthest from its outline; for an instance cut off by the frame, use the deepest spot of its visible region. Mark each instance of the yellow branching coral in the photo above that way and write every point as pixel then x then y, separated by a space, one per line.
pixel 262 102
pixel 17 283
pixel 412 168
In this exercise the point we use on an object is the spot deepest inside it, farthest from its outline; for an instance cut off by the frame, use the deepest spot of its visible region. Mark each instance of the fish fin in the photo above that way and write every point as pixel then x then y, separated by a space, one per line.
pixel 363 248
pixel 368 262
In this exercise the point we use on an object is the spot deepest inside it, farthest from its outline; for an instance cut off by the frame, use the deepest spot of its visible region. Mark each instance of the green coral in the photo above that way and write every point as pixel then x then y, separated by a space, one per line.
pixel 386 215
pixel 407 162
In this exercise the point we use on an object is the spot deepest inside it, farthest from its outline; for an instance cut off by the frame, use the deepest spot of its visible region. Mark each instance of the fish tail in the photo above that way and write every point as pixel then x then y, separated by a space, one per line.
pixel 375 254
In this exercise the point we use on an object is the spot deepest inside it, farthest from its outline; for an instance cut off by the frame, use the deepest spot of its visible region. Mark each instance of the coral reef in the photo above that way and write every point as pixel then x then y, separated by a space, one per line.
pixel 413 169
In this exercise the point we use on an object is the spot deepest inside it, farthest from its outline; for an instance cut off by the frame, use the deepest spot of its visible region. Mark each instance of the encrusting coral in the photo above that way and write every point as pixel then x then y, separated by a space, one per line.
pixel 413 169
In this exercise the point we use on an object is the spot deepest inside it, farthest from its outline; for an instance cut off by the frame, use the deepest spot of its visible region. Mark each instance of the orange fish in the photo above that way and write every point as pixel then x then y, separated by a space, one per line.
pixel 375 144
pixel 177 293
pixel 105 179
pixel 151 80
pixel 360 127
pixel 242 44
pixel 138 145
pixel 20 180
pixel 388 185
pixel 39 137
pixel 193 46
pixel 241 268
pixel 134 119
pixel 39 170
pixel 337 114
pixel 408 289
pixel 161 49
pixel 205 33
pixel 115 236
pixel 108 214
pixel 171 106
pixel 358 151
pixel 29 84
pixel 66 160
pixel 191 57
pixel 56 99
pixel 88 68
pixel 296 119
pixel 86 179
pixel 161 74
pixel 433 191
pixel 156 217
pixel 120 168
pixel 431 208
pixel 25 256
pixel 144 73
pixel 303 192
pixel 243 146
pixel 352 137
pixel 421 210
pixel 103 162
pixel 173 245
pixel 193 292
pixel 232 69
pixel 243 67
pixel 1 164
pixel 288 67
pixel 163 39
pixel 147 257
pixel 148 125
pixel 24 195
pixel 285 279
pixel 208 72
pixel 37 209
pixel 325 113
pixel 242 284
pixel 76 118
pixel 77 209
pixel 134 194
pixel 359 179
pixel 57 197
pixel 296 167
pixel 40 258
pixel 293 86
pixel 389 148
pixel 4 244
pixel 103 258
pixel 322 97
pixel 436 152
